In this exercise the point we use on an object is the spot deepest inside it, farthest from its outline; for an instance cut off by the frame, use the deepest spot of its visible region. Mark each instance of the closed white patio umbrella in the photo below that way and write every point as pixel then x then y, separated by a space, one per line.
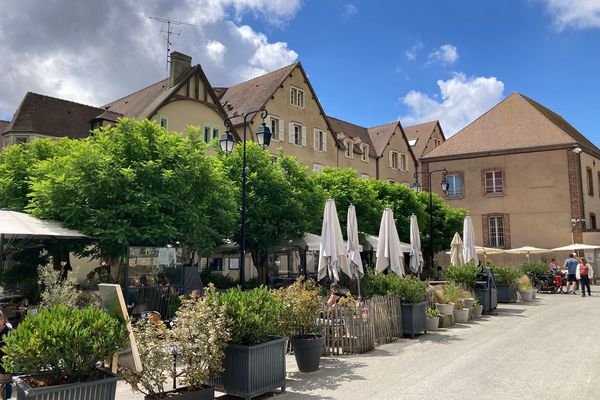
pixel 353 247
pixel 389 253
pixel 456 250
pixel 527 250
pixel 469 252
pixel 416 256
pixel 332 254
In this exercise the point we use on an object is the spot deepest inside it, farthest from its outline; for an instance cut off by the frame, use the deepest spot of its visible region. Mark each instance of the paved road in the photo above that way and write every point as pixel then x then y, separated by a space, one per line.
pixel 547 349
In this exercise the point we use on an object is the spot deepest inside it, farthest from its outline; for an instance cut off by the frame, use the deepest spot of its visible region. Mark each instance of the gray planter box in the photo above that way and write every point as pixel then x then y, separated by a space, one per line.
pixel 103 389
pixel 488 298
pixel 208 393
pixel 506 293
pixel 250 371
pixel 414 318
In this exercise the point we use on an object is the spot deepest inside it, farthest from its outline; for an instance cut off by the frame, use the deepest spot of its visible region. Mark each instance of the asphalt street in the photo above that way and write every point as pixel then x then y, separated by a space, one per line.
pixel 547 349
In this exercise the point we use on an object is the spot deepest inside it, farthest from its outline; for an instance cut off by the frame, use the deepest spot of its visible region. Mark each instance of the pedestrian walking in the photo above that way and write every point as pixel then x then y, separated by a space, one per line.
pixel 584 273
pixel 571 267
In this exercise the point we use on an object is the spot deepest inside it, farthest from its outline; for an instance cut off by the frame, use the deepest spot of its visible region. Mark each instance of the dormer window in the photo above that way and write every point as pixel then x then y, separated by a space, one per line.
pixel 96 124
pixel 164 122
pixel 365 152
pixel 296 97
pixel 349 148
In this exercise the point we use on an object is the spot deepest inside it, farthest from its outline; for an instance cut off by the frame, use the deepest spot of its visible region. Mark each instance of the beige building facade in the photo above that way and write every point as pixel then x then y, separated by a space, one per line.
pixel 525 175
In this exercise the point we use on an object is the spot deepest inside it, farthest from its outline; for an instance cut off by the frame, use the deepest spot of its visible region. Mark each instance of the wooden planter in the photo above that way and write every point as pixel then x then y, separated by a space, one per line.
pixel 414 317
pixel 249 371
pixel 102 389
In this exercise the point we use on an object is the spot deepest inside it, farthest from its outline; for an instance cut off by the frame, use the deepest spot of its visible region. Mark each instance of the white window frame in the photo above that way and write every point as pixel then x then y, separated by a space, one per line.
pixel 394 159
pixel 452 178
pixel 402 162
pixel 494 190
pixel 319 140
pixel 349 151
pixel 496 231
pixel 365 149
pixel 19 139
pixel 318 168
pixel 300 135
pixel 166 120
pixel 214 132
pixel 296 97
pixel 276 125
pixel 436 142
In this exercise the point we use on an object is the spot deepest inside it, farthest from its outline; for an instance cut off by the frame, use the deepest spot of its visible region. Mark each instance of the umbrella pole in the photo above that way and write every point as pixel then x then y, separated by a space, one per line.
pixel 1 253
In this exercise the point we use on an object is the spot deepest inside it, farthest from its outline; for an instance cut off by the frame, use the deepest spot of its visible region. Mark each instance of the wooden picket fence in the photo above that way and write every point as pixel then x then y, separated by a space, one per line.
pixel 354 328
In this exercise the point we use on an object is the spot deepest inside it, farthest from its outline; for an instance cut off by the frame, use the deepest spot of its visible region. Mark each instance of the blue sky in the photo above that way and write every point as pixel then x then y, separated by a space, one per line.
pixel 371 62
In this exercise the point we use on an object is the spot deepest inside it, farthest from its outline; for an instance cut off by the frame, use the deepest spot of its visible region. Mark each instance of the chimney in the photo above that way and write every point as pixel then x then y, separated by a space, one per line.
pixel 180 64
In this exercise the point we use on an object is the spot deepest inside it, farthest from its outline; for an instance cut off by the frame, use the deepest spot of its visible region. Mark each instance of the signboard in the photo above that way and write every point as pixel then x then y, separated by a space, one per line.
pixel 114 303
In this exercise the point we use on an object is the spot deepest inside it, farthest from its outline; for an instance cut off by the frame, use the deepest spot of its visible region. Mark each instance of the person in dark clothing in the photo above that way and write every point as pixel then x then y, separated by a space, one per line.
pixel 5 327
pixel 585 272
pixel 336 294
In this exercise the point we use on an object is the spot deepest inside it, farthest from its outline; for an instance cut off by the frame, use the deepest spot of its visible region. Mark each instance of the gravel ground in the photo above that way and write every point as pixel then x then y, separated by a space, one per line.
pixel 547 349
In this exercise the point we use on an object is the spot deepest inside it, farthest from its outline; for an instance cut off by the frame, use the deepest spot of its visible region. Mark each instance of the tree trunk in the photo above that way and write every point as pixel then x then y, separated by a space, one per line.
pixel 259 258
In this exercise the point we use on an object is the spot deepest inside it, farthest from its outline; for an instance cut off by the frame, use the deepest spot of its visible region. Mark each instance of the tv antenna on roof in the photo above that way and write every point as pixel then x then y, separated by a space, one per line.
pixel 167 30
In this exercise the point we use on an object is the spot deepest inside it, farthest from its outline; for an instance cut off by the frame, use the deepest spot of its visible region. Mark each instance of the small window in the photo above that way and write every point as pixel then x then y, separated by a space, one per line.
pixel 364 176
pixel 590 181
pixel 599 183
pixel 593 221
pixel 317 168
pixel 296 97
pixel 365 152
pixel 319 140
pixel 297 134
pixel 455 185
pixel 393 160
pixel 275 126
pixel 496 231
pixel 403 163
pixel 349 148
pixel 412 142
pixel 436 142
pixel 96 124
pixel 494 183
pixel 210 133
pixel 234 263
pixel 164 122
pixel 21 139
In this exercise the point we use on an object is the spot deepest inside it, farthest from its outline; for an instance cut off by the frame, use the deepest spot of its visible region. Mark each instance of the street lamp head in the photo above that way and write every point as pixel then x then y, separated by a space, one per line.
pixel 263 135
pixel 416 187
pixel 444 184
pixel 227 142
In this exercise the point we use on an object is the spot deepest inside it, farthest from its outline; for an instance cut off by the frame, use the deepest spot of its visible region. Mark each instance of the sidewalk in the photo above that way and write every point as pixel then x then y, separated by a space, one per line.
pixel 515 354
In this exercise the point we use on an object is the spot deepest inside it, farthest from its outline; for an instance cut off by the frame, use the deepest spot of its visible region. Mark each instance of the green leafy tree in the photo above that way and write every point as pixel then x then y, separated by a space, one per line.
pixel 280 202
pixel 136 184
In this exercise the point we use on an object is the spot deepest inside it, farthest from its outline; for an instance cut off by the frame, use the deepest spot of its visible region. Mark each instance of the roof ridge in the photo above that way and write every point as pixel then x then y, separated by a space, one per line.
pixel 346 122
pixel 389 123
pixel 263 75
pixel 435 121
pixel 61 99
pixel 132 93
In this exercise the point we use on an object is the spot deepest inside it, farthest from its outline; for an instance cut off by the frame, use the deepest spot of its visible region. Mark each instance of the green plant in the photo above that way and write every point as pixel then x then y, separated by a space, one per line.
pixel 100 274
pixel 412 290
pixel 216 278
pixel 476 303
pixel 463 275
pixel 453 294
pixel 301 302
pixel 380 284
pixel 524 284
pixel 433 312
pixel 538 268
pixel 55 288
pixel 64 343
pixel 506 275
pixel 255 315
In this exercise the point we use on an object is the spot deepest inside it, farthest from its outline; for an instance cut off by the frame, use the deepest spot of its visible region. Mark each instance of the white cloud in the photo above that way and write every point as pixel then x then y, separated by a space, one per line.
pixel 349 10
pixel 411 54
pixel 122 50
pixel 446 55
pixel 577 14
pixel 462 100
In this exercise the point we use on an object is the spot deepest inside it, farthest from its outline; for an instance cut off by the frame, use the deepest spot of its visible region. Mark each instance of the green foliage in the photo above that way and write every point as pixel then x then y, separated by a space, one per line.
pixel 64 343
pixel 379 284
pixel 301 302
pixel 524 284
pixel 216 278
pixel 433 312
pixel 506 275
pixel 135 183
pixel 410 289
pixel 463 275
pixel 453 294
pixel 254 315
pixel 100 274
pixel 538 268
pixel 54 289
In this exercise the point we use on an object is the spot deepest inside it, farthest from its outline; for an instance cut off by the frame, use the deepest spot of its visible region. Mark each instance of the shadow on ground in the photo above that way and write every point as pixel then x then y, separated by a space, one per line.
pixel 333 373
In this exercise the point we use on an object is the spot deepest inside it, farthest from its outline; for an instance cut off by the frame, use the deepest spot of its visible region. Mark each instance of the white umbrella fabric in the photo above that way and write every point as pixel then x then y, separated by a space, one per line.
pixel 576 246
pixel 353 247
pixel 389 253
pixel 332 254
pixel 469 252
pixel 374 241
pixel 487 251
pixel 526 250
pixel 416 256
pixel 456 250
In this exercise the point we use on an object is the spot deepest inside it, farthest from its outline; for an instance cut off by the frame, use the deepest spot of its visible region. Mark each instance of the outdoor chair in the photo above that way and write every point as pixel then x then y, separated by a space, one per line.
pixel 5 379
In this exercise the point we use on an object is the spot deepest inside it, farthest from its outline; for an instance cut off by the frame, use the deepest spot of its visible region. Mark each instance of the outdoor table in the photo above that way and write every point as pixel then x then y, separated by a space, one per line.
pixel 10 298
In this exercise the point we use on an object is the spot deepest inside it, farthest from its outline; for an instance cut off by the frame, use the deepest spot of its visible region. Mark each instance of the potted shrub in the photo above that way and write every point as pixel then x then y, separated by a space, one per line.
pixel 413 292
pixel 198 339
pixel 464 276
pixel 433 319
pixel 477 309
pixel 58 349
pixel 525 289
pixel 444 305
pixel 254 360
pixel 301 302
pixel 453 294
pixel 506 278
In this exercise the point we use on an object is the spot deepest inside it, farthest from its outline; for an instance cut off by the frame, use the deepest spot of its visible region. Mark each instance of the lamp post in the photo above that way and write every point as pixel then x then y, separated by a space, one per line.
pixel 263 137
pixel 417 188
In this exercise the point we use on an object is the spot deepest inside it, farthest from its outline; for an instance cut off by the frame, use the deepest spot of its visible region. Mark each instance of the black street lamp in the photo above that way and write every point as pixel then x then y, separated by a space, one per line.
pixel 263 137
pixel 417 188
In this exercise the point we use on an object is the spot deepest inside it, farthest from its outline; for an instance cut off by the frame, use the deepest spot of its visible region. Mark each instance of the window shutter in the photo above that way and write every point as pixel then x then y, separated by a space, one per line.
pixel 304 136
pixel 391 156
pixel 325 136
pixel 291 132
pixel 316 139
pixel 281 132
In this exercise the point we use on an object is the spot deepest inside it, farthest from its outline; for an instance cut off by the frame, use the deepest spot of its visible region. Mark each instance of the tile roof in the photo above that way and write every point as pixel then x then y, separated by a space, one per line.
pixel 421 133
pixel 380 136
pixel 254 93
pixel 51 116
pixel 517 123
pixel 134 105
pixel 352 131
